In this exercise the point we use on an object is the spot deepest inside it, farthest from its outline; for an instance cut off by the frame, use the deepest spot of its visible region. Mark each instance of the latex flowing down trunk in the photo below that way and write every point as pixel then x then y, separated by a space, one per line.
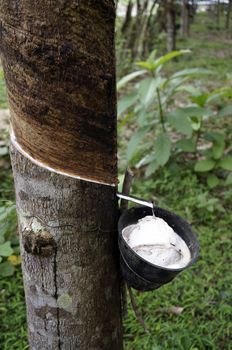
pixel 59 65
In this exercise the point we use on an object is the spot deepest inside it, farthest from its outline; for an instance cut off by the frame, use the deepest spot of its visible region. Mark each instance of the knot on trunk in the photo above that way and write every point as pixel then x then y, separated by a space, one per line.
pixel 38 243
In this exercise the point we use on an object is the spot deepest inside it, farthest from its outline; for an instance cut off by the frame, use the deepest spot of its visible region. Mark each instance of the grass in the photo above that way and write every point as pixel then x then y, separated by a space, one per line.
pixel 204 291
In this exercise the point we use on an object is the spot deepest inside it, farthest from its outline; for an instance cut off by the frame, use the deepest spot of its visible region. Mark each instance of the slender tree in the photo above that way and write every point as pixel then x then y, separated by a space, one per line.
pixel 185 18
pixel 59 64
pixel 127 22
pixel 228 14
pixel 171 25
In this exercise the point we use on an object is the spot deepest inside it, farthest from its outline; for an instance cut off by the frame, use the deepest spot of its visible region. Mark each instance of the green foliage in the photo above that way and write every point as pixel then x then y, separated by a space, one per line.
pixel 9 244
pixel 151 106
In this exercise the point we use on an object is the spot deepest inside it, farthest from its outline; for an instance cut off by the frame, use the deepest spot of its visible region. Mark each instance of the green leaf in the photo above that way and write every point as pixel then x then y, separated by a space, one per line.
pixel 218 149
pixel 196 123
pixel 228 181
pixel 147 89
pixel 126 101
pixel 6 269
pixel 5 249
pixel 186 145
pixel 190 89
pixel 162 149
pixel 128 78
pixel 180 121
pixel 226 111
pixel 133 144
pixel 166 58
pixel 152 56
pixel 147 65
pixel 151 169
pixel 200 100
pixel 212 181
pixel 149 158
pixel 226 163
pixel 1 259
pixel 192 71
pixel 204 165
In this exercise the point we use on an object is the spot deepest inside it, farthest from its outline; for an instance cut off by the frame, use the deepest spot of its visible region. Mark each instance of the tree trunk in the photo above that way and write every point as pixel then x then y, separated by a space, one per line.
pixel 185 19
pixel 218 14
pixel 127 22
pixel 228 14
pixel 148 39
pixel 171 25
pixel 138 24
pixel 59 64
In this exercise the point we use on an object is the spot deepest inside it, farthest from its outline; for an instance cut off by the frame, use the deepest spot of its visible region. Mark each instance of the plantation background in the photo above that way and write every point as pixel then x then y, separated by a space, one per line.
pixel 175 132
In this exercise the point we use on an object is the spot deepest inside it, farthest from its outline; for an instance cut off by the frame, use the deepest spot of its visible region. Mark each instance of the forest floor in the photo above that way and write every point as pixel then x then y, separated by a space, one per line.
pixel 194 311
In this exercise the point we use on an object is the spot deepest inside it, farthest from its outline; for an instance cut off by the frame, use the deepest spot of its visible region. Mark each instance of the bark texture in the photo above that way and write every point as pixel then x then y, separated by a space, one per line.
pixel 59 63
pixel 68 234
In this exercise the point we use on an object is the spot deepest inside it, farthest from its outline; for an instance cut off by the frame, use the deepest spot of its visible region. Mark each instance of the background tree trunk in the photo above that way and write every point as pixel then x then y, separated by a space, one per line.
pixel 127 22
pixel 171 25
pixel 185 19
pixel 228 14
pixel 59 65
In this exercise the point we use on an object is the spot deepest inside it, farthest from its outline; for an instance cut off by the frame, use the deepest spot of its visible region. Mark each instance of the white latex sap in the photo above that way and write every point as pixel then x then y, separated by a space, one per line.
pixel 155 241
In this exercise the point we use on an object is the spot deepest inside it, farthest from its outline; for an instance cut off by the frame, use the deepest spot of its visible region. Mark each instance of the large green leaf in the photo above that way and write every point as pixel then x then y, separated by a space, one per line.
pixel 147 65
pixel 168 57
pixel 226 163
pixel 204 165
pixel 126 102
pixel 180 121
pixel 151 169
pixel 134 142
pixel 186 145
pixel 152 65
pixel 192 72
pixel 188 88
pixel 218 149
pixel 6 269
pixel 162 149
pixel 128 78
pixel 5 249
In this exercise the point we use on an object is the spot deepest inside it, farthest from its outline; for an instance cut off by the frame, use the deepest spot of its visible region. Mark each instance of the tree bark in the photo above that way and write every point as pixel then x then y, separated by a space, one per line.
pixel 127 22
pixel 185 19
pixel 61 83
pixel 171 25
pixel 59 65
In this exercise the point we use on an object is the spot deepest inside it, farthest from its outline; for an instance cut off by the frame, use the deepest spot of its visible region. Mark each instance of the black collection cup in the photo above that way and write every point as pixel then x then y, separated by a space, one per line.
pixel 140 273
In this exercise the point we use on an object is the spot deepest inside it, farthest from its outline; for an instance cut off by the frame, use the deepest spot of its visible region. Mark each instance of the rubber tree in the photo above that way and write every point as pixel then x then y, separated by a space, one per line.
pixel 59 65
pixel 171 24
pixel 228 14
pixel 185 18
